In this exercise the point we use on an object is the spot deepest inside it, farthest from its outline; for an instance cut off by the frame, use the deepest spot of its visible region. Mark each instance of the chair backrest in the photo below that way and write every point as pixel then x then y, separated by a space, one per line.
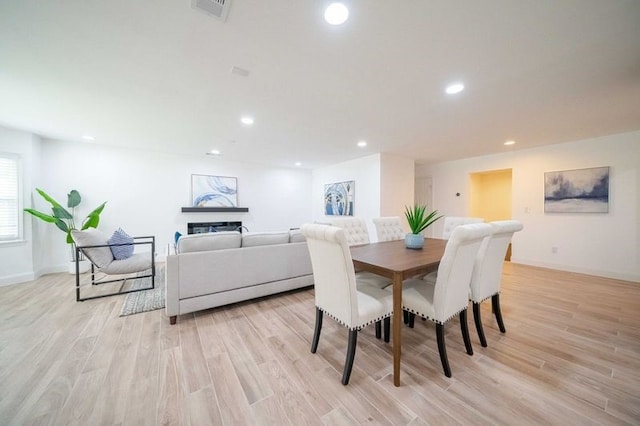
pixel 452 222
pixel 355 229
pixel 451 294
pixel 487 271
pixel 333 272
pixel 389 228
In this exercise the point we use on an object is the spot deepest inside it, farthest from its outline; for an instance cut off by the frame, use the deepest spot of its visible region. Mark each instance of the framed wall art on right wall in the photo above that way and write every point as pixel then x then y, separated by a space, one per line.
pixel 577 191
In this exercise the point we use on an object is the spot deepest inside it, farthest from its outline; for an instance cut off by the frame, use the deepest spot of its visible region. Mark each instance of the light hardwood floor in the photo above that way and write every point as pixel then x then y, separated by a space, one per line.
pixel 571 355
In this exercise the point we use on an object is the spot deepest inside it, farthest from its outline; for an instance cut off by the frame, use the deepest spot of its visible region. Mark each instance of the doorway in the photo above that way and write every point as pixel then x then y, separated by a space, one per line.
pixel 490 196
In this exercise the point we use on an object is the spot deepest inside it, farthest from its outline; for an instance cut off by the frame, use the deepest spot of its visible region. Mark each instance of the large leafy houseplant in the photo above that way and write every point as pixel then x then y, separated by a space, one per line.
pixel 64 219
pixel 418 220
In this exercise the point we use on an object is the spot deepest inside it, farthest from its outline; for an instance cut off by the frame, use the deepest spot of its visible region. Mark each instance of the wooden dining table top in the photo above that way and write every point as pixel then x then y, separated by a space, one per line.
pixel 385 258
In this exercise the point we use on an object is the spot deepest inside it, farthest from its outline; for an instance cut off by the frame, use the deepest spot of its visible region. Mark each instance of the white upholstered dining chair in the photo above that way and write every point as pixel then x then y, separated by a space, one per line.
pixel 487 272
pixel 338 293
pixel 389 228
pixel 356 232
pixel 451 222
pixel 445 293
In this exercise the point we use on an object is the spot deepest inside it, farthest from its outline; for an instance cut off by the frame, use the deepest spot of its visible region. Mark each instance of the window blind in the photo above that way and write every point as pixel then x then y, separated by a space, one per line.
pixel 9 202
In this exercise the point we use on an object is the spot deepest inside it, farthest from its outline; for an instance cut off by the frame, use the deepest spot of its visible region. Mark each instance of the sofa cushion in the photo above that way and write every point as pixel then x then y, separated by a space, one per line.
pixel 253 239
pixel 209 241
pixel 99 256
pixel 295 236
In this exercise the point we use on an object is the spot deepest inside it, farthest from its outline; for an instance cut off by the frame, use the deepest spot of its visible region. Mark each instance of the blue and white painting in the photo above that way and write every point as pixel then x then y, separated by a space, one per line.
pixel 338 198
pixel 577 191
pixel 214 191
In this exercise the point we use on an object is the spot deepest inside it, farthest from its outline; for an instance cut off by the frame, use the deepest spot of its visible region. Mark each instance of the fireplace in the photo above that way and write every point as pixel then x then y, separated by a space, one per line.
pixel 204 227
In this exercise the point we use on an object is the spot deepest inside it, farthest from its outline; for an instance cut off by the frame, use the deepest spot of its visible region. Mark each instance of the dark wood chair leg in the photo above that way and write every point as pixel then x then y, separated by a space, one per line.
pixel 465 332
pixel 442 349
pixel 351 354
pixel 378 329
pixel 405 315
pixel 316 332
pixel 412 320
pixel 495 304
pixel 173 319
pixel 478 320
pixel 387 328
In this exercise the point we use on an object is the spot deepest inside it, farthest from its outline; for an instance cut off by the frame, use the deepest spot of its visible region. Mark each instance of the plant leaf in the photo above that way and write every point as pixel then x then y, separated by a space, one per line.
pixel 48 198
pixel 62 225
pixel 69 237
pixel 416 218
pixel 40 215
pixel 61 213
pixel 93 219
pixel 73 199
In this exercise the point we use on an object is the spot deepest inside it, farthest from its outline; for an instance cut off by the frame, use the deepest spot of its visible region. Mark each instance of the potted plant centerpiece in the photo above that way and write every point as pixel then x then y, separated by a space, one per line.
pixel 65 221
pixel 418 221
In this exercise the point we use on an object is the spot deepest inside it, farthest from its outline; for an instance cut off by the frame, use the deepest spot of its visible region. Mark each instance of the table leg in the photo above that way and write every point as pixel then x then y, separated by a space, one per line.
pixel 397 326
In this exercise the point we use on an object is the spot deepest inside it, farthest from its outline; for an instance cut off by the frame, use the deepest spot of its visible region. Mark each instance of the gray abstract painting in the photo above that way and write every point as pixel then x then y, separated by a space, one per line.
pixel 577 191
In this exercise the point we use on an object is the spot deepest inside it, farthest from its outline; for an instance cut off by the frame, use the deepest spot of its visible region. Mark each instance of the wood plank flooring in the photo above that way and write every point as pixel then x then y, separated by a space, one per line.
pixel 571 355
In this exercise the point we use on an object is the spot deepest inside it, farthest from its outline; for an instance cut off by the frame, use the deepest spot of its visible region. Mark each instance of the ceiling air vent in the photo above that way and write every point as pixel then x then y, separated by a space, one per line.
pixel 216 8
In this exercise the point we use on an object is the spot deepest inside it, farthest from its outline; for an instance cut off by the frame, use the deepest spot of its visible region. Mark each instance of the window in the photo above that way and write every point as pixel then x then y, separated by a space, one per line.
pixel 9 198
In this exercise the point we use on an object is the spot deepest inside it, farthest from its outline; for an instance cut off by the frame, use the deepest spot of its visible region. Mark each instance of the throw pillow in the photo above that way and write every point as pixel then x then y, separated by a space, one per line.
pixel 121 252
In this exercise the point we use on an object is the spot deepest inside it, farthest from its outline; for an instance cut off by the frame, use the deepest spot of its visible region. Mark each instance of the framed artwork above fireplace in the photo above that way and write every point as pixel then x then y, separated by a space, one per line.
pixel 214 191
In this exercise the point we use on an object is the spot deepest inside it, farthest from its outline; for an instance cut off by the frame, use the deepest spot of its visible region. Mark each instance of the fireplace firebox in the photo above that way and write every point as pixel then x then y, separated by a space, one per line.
pixel 204 227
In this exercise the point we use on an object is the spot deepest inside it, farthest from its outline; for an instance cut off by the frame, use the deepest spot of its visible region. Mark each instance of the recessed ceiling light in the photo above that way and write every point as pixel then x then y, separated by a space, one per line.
pixel 214 153
pixel 454 88
pixel 510 143
pixel 88 138
pixel 246 120
pixel 336 13
pixel 298 164
pixel 362 144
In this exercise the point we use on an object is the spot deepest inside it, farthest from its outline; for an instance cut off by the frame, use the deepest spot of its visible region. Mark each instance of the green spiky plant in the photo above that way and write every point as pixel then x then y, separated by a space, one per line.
pixel 418 218
pixel 65 219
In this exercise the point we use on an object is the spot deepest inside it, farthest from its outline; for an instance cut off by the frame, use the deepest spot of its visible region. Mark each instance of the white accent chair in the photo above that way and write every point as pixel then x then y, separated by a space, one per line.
pixel 356 232
pixel 451 222
pixel 444 294
pixel 338 292
pixel 487 272
pixel 389 228
pixel 95 246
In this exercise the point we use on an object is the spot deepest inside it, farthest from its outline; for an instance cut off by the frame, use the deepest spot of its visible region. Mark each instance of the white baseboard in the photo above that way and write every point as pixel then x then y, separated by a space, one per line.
pixel 17 279
pixel 598 273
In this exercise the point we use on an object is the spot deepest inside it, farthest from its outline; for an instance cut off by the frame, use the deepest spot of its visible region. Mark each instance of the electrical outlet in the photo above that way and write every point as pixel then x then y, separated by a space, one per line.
pixel 554 250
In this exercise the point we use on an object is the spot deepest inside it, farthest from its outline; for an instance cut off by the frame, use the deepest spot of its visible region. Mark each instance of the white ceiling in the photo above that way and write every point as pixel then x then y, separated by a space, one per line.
pixel 155 74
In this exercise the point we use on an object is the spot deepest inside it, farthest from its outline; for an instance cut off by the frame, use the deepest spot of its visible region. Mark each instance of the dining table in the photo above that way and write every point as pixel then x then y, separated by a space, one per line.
pixel 392 259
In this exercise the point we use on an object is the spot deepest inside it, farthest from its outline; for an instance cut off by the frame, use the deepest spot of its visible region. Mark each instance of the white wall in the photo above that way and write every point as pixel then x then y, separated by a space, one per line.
pixel 145 192
pixel 16 262
pixel 366 174
pixel 397 185
pixel 598 244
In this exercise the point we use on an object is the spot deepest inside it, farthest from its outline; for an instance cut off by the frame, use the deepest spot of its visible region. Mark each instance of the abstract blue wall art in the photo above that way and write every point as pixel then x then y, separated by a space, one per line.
pixel 214 191
pixel 577 191
pixel 338 198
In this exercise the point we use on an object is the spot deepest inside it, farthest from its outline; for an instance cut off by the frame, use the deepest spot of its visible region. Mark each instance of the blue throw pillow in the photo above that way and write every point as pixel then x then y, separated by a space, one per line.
pixel 121 252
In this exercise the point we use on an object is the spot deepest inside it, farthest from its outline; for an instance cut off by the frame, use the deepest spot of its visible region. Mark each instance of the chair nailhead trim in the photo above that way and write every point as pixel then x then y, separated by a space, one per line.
pixel 404 308
pixel 358 328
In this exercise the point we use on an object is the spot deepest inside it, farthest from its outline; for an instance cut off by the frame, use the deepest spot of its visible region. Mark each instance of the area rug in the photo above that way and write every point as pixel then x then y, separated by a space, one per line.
pixel 146 300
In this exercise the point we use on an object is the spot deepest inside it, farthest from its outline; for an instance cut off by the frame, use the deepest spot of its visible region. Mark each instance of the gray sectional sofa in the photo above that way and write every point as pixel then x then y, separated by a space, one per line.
pixel 219 268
